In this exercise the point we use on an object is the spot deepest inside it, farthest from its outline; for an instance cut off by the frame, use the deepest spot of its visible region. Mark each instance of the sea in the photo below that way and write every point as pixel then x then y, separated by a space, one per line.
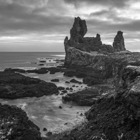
pixel 25 59
pixel 45 111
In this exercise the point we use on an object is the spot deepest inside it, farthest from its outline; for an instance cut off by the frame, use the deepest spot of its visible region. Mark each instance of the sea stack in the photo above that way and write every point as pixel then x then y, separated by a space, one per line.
pixel 118 43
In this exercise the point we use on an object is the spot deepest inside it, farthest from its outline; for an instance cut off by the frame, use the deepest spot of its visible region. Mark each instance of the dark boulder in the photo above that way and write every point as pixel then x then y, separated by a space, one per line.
pixel 55 80
pixel 61 88
pixel 75 81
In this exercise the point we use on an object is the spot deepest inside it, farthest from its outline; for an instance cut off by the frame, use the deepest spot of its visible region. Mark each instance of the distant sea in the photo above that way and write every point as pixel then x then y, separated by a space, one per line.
pixel 24 59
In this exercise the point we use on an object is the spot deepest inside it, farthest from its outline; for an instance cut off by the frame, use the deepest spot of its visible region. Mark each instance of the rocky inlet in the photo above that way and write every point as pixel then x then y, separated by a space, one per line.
pixel 112 93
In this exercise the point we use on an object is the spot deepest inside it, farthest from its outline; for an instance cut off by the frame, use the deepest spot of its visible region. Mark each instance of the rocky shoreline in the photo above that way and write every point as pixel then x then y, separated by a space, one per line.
pixel 112 74
pixel 14 85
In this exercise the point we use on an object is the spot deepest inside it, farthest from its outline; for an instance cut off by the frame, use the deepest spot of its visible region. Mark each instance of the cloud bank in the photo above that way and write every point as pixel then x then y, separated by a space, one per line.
pixel 41 25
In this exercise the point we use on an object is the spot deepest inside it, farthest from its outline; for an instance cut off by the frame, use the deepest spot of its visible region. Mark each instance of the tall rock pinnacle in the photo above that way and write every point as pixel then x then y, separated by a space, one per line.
pixel 118 43
pixel 78 30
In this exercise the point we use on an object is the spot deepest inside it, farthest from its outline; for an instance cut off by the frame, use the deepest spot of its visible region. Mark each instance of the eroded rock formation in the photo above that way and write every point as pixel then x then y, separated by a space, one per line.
pixel 78 30
pixel 118 43
pixel 90 53
pixel 88 44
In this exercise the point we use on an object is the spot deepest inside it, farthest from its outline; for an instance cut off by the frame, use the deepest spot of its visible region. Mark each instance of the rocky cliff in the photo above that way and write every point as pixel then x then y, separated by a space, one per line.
pixel 115 116
pixel 88 45
pixel 91 54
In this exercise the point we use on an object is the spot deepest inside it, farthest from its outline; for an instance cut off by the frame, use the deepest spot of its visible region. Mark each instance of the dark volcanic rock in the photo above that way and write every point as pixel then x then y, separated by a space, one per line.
pixel 114 117
pixel 55 80
pixel 52 70
pixel 38 71
pixel 15 70
pixel 92 81
pixel 83 98
pixel 61 88
pixel 15 125
pixel 118 43
pixel 78 30
pixel 75 81
pixel 14 85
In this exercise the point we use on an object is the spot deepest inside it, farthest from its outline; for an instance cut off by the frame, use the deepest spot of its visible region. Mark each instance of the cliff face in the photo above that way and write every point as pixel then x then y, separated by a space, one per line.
pixel 88 44
pixel 97 60
pixel 115 115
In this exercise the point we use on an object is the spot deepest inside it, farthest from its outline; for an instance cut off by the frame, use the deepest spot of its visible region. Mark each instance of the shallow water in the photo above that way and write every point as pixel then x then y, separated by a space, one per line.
pixel 45 111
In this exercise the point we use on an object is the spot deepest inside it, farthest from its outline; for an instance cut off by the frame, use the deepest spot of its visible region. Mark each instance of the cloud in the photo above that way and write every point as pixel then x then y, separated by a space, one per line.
pixel 115 3
pixel 49 21
pixel 19 18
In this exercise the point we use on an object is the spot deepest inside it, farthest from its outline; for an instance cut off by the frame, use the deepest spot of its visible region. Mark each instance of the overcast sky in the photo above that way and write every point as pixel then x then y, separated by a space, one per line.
pixel 41 25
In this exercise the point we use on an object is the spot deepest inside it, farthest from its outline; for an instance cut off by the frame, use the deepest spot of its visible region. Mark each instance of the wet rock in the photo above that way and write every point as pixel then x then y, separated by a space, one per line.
pixel 82 98
pixel 64 91
pixel 67 88
pixel 15 70
pixel 42 61
pixel 14 86
pixel 38 71
pixel 40 64
pixel 55 80
pixel 75 81
pixel 49 134
pixel 81 114
pixel 44 129
pixel 71 88
pixel 61 88
pixel 60 107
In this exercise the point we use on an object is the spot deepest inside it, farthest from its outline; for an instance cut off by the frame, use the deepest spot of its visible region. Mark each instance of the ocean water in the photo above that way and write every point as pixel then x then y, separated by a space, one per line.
pixel 25 59
pixel 45 111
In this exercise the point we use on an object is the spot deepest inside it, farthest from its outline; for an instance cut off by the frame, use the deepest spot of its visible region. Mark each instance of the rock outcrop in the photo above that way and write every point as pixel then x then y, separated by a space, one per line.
pixel 118 43
pixel 88 44
pixel 78 30
pixel 15 125
pixel 91 54
pixel 112 117
pixel 14 85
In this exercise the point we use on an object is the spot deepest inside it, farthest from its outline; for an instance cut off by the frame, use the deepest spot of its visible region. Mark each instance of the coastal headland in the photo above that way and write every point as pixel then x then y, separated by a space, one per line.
pixel 111 74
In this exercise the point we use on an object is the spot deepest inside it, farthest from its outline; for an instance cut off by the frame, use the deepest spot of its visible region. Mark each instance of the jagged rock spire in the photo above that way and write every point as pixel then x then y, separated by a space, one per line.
pixel 118 43
pixel 78 30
